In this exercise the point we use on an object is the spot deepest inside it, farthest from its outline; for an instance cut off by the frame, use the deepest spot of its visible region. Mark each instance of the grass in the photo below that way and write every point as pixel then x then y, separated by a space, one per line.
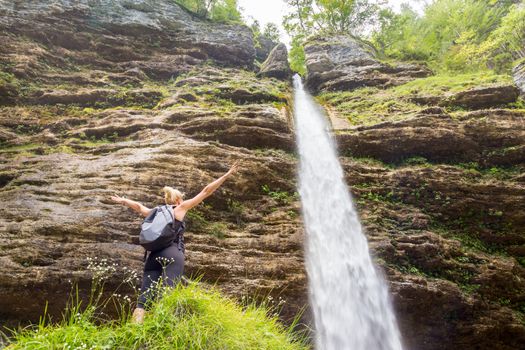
pixel 369 105
pixel 186 317
pixel 217 229
pixel 443 83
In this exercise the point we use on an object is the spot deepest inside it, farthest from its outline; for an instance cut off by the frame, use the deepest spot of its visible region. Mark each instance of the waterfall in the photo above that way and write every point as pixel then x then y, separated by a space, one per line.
pixel 349 298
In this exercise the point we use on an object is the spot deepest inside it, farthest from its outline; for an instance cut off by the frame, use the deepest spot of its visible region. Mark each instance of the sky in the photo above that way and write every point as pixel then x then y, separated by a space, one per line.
pixel 266 11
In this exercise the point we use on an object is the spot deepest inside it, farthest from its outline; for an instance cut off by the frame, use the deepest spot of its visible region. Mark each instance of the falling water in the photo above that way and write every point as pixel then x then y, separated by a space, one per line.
pixel 348 297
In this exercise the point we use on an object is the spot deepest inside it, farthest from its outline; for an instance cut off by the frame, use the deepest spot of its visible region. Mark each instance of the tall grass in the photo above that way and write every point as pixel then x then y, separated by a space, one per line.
pixel 184 317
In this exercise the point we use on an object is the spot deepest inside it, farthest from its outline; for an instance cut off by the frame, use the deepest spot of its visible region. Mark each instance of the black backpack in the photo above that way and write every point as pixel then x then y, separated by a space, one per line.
pixel 157 230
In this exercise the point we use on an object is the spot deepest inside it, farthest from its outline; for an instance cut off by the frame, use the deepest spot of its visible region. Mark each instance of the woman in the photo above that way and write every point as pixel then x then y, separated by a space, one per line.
pixel 168 262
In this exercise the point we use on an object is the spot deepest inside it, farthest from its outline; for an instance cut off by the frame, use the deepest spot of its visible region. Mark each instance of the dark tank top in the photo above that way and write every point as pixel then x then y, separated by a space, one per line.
pixel 179 227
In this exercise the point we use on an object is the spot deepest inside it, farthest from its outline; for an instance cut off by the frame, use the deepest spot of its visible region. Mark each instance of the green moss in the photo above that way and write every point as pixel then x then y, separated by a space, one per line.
pixel 283 197
pixel 373 196
pixel 196 220
pixel 19 148
pixel 237 209
pixel 59 149
pixel 371 161
pixel 222 88
pixel 469 240
pixel 421 161
pixel 92 143
pixel 369 105
pixel 217 229
pixel 443 83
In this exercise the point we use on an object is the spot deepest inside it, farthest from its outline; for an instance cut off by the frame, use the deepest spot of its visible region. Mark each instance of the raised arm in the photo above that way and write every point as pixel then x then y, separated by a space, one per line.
pixel 207 191
pixel 136 206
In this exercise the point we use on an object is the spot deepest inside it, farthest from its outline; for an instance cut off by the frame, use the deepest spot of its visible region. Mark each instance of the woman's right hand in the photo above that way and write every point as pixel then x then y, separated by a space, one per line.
pixel 233 168
pixel 117 199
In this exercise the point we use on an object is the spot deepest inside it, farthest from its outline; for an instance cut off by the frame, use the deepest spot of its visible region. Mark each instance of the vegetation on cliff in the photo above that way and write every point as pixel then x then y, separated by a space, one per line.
pixel 450 35
pixel 191 315
pixel 224 11
pixel 372 105
pixel 456 35
pixel 187 317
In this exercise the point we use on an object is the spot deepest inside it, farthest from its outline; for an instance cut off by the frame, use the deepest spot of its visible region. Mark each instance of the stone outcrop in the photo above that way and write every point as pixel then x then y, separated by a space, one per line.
pixel 118 34
pixel 264 47
pixel 476 98
pixel 438 180
pixel 125 97
pixel 436 136
pixel 276 65
pixel 448 239
pixel 345 63
pixel 519 76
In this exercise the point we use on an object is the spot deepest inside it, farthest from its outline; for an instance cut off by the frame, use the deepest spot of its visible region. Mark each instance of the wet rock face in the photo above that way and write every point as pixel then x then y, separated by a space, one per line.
pixel 344 63
pixel 121 33
pixel 276 65
pixel 262 51
pixel 476 98
pixel 59 164
pixel 453 280
pixel 437 176
pixel 124 97
pixel 436 136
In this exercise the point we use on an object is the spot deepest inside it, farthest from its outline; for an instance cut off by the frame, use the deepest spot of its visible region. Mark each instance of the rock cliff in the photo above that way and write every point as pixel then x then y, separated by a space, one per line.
pixel 437 172
pixel 103 97
pixel 343 63
pixel 125 97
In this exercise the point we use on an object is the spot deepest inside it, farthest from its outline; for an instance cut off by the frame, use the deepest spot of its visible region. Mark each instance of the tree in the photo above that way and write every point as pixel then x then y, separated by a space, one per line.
pixel 271 31
pixel 397 34
pixel 330 16
pixel 325 17
pixel 225 11
pixel 451 34
pixel 216 10
pixel 296 55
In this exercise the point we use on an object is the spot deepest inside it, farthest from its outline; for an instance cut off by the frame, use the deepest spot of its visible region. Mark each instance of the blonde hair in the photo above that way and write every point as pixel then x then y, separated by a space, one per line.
pixel 171 195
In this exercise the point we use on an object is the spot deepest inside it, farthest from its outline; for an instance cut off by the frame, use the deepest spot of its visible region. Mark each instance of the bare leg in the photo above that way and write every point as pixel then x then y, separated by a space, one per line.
pixel 138 315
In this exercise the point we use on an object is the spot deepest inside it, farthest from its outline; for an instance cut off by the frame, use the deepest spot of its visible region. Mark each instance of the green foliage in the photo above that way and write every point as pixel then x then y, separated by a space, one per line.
pixel 324 17
pixel 367 106
pixel 186 317
pixel 296 55
pixel 455 35
pixel 237 209
pixel 224 11
pixel 196 220
pixel 398 34
pixel 256 32
pixel 416 160
pixel 217 229
pixel 442 83
pixel 507 42
pixel 329 16
pixel 271 31
pixel 282 197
